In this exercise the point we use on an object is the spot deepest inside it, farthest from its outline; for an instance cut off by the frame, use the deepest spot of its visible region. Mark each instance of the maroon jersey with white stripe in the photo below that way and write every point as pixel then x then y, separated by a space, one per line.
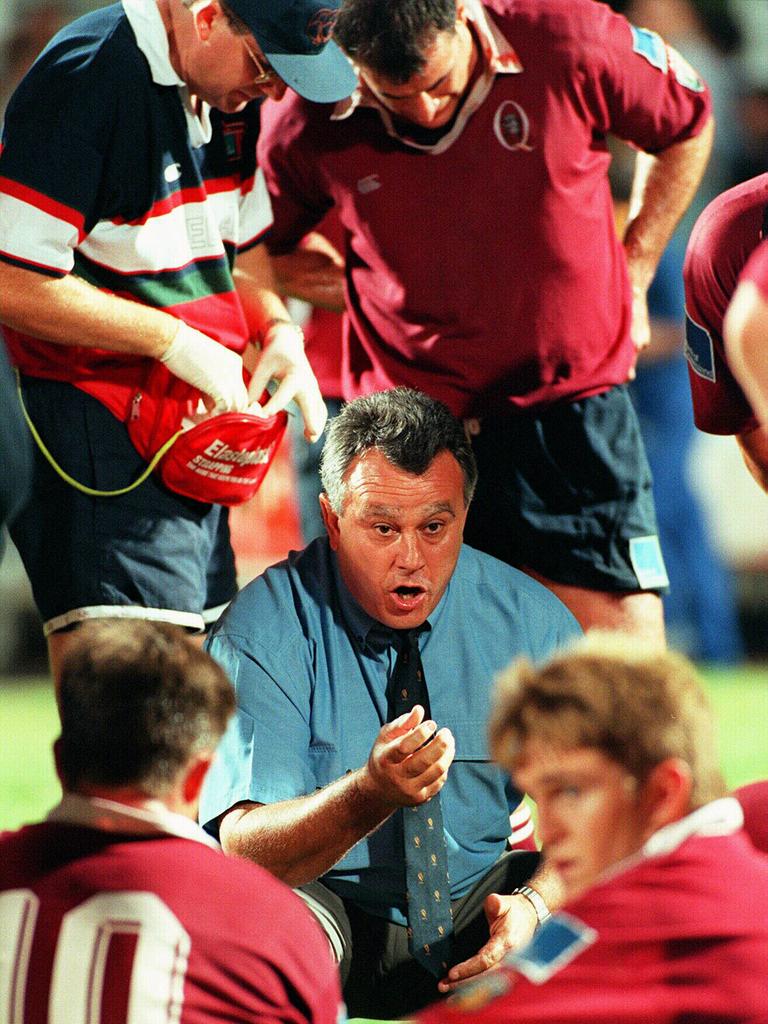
pixel 152 929
pixel 677 938
pixel 485 269
pixel 723 239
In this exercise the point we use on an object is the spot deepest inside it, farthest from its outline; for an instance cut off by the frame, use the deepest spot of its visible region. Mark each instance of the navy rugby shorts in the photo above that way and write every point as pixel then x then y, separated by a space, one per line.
pixel 148 554
pixel 567 491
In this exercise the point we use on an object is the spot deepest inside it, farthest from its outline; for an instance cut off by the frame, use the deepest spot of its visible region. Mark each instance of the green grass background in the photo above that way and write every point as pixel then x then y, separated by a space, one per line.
pixel 29 724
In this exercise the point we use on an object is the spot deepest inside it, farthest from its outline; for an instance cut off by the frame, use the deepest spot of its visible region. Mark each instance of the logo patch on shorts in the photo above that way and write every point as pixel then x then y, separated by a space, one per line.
pixel 699 349
pixel 556 943
pixel 651 46
pixel 648 562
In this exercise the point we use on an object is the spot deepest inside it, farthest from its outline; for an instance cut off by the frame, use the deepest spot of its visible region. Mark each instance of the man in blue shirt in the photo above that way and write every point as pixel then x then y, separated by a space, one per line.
pixel 311 779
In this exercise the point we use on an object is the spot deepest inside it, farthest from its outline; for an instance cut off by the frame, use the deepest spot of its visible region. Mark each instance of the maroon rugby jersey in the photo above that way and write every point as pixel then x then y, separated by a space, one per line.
pixel 146 927
pixel 724 237
pixel 679 935
pixel 486 270
pixel 756 268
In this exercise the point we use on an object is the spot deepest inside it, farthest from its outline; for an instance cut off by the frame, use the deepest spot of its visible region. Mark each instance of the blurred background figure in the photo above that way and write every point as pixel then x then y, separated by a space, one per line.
pixel 700 608
pixel 24 36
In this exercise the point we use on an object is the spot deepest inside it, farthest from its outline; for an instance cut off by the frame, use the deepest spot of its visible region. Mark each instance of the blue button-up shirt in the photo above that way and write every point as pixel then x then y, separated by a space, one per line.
pixel 311 671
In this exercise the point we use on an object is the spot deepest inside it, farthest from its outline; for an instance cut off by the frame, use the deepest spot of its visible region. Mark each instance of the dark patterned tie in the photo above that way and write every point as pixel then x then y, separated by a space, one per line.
pixel 426 862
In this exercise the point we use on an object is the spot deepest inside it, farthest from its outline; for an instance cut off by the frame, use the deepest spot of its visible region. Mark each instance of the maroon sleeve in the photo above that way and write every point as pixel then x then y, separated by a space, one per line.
pixel 636 85
pixel 712 261
pixel 287 154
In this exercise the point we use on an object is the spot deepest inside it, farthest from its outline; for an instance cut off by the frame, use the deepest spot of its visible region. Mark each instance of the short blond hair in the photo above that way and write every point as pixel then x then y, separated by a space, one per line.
pixel 636 704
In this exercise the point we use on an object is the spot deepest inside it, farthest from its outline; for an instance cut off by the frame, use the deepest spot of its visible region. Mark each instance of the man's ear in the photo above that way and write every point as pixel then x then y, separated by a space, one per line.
pixel 666 793
pixel 205 14
pixel 331 520
pixel 193 780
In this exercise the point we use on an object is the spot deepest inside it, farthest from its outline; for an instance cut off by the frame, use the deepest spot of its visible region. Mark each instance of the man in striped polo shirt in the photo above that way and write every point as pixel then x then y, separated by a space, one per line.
pixel 128 186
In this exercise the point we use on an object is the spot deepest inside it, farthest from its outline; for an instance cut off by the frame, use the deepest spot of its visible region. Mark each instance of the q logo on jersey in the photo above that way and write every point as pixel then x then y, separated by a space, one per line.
pixel 512 127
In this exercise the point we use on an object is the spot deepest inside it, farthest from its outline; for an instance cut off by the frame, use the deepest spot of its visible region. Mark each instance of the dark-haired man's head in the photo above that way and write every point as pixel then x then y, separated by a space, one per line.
pixel 140 702
pixel 415 56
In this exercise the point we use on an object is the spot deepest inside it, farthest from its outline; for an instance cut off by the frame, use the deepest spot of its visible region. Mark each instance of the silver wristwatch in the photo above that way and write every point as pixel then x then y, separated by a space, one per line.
pixel 536 900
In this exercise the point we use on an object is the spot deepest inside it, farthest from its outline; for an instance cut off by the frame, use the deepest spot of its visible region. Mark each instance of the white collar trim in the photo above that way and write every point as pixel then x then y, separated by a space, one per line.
pixel 718 818
pixel 152 39
pixel 113 816
pixel 721 817
pixel 499 58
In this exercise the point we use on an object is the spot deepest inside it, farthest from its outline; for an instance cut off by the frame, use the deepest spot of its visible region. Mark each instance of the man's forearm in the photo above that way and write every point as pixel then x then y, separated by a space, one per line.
pixel 299 840
pixel 745 330
pixel 547 884
pixel 69 311
pixel 256 287
pixel 313 274
pixel 663 187
pixel 754 450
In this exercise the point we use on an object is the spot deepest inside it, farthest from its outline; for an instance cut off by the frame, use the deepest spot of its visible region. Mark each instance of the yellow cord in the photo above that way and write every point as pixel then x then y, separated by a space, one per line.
pixel 76 483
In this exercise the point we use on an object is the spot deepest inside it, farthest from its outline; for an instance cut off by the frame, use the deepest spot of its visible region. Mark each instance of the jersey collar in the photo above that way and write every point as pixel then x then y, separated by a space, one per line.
pixel 499 58
pixel 719 818
pixel 152 39
pixel 112 816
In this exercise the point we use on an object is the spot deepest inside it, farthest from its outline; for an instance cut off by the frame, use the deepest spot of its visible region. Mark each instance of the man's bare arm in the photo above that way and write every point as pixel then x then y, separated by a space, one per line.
pixel 662 189
pixel 299 840
pixel 279 349
pixel 313 272
pixel 745 332
pixel 69 311
pixel 754 450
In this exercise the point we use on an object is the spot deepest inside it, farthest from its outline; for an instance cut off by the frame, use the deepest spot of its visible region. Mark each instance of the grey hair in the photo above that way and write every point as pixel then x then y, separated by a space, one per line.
pixel 409 428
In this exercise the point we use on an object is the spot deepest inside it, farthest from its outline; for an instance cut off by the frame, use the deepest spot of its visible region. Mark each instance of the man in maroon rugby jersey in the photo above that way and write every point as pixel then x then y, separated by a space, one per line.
pixel 469 171
pixel 118 908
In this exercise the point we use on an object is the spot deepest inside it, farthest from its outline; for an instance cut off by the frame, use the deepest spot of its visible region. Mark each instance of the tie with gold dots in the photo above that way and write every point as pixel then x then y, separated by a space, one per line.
pixel 430 924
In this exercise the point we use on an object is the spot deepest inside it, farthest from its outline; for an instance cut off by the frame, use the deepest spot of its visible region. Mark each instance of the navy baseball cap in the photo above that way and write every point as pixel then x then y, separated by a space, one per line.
pixel 295 37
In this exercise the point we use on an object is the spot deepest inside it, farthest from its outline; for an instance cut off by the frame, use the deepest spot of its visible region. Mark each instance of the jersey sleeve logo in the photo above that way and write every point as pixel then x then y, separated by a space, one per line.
pixel 683 72
pixel 651 46
pixel 699 350
pixel 556 943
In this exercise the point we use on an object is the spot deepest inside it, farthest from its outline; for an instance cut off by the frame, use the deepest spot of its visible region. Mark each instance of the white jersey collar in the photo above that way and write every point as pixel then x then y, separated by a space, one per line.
pixel 718 818
pixel 113 816
pixel 151 38
pixel 499 58
pixel 721 817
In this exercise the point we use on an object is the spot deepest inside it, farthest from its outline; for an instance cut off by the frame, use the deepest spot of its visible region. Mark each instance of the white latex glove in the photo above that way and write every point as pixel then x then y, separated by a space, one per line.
pixel 205 364
pixel 283 359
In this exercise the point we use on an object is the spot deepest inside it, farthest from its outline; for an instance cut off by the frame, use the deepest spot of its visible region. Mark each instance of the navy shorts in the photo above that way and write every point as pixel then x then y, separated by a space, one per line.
pixel 568 492
pixel 148 554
